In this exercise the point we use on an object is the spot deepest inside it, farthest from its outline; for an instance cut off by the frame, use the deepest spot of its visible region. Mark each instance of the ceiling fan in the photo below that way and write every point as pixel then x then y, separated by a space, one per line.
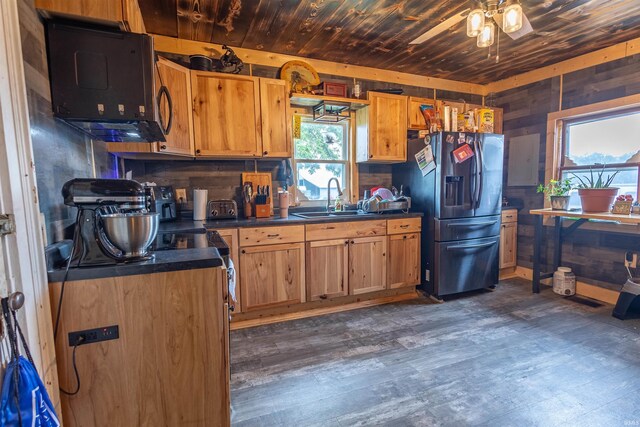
pixel 507 14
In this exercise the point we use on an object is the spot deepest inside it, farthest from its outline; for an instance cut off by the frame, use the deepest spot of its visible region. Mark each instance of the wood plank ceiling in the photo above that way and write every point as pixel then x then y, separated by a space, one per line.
pixel 376 33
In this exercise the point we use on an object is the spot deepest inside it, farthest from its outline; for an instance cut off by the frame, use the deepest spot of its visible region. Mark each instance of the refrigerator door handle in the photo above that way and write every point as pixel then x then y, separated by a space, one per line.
pixel 480 172
pixel 462 247
pixel 476 183
pixel 473 224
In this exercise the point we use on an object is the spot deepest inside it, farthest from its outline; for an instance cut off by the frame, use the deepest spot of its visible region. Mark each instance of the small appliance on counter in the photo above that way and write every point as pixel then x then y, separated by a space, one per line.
pixel 113 224
pixel 222 209
pixel 162 201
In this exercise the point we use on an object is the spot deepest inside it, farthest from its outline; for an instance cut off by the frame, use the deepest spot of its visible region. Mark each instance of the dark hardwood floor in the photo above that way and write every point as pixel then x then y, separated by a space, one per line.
pixel 503 358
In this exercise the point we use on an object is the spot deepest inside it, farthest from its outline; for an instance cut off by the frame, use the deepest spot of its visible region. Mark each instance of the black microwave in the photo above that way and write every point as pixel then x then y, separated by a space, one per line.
pixel 103 83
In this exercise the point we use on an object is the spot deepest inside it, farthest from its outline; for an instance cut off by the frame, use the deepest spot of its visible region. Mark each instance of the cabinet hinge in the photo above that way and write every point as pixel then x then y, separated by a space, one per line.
pixel 7 224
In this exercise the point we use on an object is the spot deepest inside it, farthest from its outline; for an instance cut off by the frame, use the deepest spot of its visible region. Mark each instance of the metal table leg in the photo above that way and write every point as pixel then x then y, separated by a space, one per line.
pixel 557 243
pixel 535 285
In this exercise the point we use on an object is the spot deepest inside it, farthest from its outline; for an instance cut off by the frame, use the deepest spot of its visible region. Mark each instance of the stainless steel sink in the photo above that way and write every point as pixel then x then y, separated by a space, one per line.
pixel 328 214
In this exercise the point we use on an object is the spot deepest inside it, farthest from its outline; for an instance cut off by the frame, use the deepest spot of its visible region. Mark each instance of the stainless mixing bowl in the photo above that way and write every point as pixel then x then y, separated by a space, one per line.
pixel 132 233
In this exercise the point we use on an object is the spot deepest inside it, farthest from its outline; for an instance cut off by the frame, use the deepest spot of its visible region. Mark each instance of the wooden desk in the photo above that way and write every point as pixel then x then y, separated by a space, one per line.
pixel 559 234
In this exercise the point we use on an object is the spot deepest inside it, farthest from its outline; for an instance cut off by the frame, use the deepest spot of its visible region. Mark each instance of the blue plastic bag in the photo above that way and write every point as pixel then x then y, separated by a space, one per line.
pixel 24 400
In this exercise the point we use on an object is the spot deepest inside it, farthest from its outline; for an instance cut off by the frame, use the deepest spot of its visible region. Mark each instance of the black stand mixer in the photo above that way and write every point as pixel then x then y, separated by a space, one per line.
pixel 113 224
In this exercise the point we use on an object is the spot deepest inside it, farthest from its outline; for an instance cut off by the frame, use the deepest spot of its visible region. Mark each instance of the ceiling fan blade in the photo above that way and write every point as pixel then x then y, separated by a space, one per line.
pixel 441 27
pixel 526 26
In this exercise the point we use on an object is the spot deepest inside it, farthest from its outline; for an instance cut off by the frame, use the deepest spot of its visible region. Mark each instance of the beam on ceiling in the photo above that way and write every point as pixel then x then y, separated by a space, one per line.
pixel 611 53
pixel 257 57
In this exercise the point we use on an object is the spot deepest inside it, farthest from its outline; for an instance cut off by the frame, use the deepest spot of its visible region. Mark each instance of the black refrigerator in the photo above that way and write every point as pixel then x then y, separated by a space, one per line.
pixel 461 200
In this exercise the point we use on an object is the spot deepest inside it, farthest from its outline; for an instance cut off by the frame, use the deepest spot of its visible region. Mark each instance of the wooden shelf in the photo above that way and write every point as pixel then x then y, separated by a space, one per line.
pixel 605 216
pixel 309 100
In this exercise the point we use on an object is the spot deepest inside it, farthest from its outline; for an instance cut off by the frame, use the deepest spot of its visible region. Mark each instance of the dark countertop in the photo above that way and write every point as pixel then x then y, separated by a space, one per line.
pixel 164 261
pixel 187 225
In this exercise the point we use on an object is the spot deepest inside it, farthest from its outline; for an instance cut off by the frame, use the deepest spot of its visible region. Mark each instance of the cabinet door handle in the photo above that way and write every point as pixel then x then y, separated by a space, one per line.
pixel 198 151
pixel 352 242
pixel 265 153
pixel 404 237
pixel 271 236
pixel 404 226
pixel 244 252
pixel 346 242
pixel 163 147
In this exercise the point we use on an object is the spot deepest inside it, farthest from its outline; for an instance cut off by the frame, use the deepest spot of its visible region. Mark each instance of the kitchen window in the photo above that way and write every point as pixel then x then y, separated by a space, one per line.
pixel 609 140
pixel 321 153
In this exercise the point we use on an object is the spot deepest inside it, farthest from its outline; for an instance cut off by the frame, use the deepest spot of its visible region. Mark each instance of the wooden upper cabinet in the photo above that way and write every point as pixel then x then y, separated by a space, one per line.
pixel 272 275
pixel 414 114
pixel 327 269
pixel 125 14
pixel 404 260
pixel 177 80
pixel 226 115
pixel 276 118
pixel 367 264
pixel 381 129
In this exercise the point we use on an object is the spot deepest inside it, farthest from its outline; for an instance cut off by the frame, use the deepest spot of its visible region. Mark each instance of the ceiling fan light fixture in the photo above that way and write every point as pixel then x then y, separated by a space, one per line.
pixel 475 22
pixel 512 17
pixel 487 36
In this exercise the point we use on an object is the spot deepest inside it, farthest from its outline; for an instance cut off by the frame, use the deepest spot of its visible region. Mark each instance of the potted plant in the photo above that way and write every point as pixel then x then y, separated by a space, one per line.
pixel 558 193
pixel 596 193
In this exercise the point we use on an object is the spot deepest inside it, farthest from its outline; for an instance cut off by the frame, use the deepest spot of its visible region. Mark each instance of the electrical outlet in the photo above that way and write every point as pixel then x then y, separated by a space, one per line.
pixel 631 260
pixel 93 335
pixel 427 275
pixel 181 195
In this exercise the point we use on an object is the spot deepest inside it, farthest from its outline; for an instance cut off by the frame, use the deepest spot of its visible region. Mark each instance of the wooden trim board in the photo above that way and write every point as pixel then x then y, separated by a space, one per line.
pixel 583 289
pixel 272 59
pixel 242 321
pixel 611 53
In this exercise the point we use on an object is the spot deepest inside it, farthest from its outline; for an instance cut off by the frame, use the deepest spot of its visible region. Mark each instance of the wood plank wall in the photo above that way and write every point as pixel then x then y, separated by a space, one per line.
pixel 60 153
pixel 596 256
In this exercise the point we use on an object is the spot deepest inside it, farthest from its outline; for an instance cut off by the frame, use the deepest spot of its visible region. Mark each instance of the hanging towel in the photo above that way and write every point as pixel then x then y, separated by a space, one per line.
pixel 231 275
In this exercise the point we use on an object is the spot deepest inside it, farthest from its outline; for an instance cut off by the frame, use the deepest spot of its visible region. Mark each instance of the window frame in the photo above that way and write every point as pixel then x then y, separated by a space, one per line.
pixel 553 147
pixel 597 116
pixel 347 162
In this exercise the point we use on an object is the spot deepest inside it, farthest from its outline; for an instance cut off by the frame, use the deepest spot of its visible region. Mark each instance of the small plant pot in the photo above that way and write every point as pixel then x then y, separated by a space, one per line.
pixel 597 200
pixel 559 203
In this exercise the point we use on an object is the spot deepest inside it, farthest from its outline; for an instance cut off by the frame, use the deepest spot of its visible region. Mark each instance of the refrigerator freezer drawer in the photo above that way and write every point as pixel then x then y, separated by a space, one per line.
pixel 466 228
pixel 466 265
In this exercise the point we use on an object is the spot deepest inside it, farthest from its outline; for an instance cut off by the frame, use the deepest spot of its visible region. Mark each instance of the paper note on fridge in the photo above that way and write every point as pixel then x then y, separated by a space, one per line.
pixel 463 153
pixel 425 160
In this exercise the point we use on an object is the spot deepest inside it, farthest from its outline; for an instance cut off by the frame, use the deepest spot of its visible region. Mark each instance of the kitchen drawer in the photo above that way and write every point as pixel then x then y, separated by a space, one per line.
pixel 271 235
pixel 404 225
pixel 510 215
pixel 466 228
pixel 346 230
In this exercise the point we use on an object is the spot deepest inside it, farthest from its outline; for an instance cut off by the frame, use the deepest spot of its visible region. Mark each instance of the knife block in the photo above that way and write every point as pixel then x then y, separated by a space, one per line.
pixel 263 211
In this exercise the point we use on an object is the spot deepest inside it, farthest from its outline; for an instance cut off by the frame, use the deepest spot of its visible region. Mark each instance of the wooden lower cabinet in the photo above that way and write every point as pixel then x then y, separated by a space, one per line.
pixel 508 245
pixel 367 264
pixel 327 269
pixel 170 364
pixel 272 275
pixel 403 266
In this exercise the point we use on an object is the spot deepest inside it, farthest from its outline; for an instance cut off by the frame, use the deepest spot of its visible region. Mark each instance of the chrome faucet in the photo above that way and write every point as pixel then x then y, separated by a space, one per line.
pixel 329 191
